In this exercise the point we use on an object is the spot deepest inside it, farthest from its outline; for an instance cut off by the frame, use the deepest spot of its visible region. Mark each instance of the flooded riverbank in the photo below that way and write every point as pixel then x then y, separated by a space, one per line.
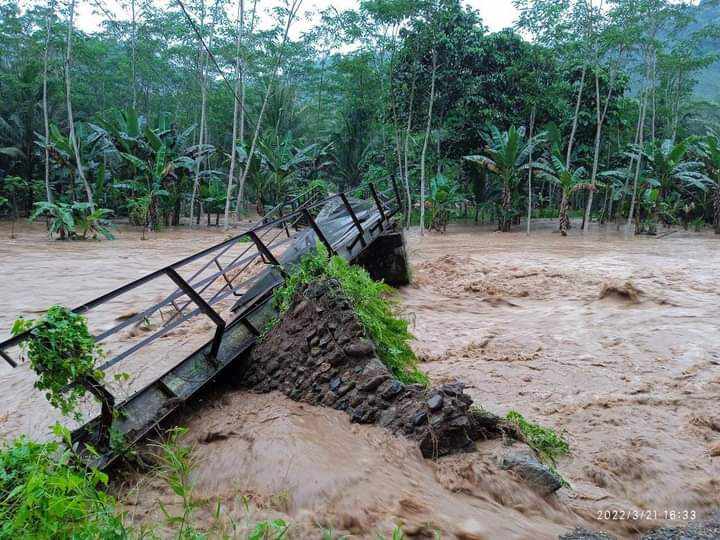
pixel 612 341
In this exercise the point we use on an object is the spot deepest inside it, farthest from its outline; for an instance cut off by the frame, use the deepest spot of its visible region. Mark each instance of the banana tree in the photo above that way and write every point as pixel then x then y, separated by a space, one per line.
pixel 506 155
pixel 281 160
pixel 567 179
pixel 147 186
pixel 670 171
pixel 710 148
pixel 444 194
pixel 76 220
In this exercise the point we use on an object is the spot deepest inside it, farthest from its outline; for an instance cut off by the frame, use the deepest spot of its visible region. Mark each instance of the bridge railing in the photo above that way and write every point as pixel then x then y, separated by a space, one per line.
pixel 200 282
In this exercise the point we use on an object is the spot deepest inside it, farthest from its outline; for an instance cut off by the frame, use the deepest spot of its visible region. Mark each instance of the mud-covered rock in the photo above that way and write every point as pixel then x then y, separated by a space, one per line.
pixel 319 354
pixel 537 475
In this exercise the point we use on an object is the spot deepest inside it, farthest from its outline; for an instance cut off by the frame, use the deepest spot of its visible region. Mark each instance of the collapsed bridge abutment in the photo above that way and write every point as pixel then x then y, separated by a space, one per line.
pixel 319 353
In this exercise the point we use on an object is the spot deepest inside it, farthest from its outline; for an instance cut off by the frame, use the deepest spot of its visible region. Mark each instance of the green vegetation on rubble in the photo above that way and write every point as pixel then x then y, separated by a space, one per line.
pixel 548 444
pixel 372 303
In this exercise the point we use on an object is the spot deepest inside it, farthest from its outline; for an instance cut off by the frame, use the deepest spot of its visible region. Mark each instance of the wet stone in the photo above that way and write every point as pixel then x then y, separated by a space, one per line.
pixel 300 308
pixel 387 417
pixel 360 349
pixel 335 383
pixel 538 476
pixel 344 389
pixel 373 383
pixel 392 389
pixel 420 418
pixel 272 366
pixel 435 402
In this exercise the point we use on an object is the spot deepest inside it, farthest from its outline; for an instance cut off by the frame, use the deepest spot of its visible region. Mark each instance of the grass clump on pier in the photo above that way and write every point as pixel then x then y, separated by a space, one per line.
pixel 548 444
pixel 371 302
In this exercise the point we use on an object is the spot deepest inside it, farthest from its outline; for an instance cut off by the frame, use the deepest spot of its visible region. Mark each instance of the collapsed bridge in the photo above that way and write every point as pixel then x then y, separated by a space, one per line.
pixel 244 270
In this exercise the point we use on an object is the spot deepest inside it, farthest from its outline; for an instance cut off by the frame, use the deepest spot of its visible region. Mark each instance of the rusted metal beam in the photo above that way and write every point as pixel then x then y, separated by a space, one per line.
pixel 319 232
pixel 354 217
pixel 7 358
pixel 397 192
pixel 266 253
pixel 202 306
pixel 378 203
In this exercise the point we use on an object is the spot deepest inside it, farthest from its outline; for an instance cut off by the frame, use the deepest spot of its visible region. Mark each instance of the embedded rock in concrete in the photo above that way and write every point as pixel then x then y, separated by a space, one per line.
pixel 319 354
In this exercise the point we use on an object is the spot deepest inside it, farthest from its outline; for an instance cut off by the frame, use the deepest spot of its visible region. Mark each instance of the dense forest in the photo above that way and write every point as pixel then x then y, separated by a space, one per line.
pixel 199 112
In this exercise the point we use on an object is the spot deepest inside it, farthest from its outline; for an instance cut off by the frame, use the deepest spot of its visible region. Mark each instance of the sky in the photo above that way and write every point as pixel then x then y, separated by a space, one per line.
pixel 496 14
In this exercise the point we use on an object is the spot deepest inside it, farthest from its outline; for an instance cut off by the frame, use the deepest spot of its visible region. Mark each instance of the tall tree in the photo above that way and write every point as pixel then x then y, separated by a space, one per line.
pixel 68 102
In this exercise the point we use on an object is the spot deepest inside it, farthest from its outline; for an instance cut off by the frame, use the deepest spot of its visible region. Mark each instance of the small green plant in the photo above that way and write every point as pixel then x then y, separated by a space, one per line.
pixel 548 444
pixel 43 494
pixel 93 223
pixel 176 464
pixel 62 352
pixel 370 300
pixel 73 221
pixel 60 215
pixel 269 530
pixel 697 224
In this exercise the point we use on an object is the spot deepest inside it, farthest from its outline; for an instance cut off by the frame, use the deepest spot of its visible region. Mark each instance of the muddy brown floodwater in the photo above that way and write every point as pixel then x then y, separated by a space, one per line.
pixel 611 340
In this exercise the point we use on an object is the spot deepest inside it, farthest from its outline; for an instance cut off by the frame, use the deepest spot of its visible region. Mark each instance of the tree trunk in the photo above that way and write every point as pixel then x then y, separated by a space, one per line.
pixel 68 102
pixel 600 117
pixel 564 219
pixel 203 103
pixel 291 15
pixel 716 208
pixel 46 121
pixel 406 150
pixel 236 106
pixel 530 169
pixel 425 143
pixel 639 160
pixel 575 117
pixel 504 222
pixel 133 44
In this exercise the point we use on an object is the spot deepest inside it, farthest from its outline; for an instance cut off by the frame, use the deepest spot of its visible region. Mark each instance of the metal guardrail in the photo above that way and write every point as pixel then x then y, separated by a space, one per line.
pixel 258 243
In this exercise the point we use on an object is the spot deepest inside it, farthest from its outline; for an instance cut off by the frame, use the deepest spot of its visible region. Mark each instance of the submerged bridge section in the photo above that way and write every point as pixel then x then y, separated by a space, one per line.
pixel 242 271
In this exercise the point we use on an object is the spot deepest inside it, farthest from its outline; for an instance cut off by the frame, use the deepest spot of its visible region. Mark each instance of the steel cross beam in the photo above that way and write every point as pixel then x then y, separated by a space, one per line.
pixel 203 306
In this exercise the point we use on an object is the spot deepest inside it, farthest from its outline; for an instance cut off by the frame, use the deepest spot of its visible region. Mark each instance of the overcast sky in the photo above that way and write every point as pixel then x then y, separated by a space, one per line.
pixel 497 14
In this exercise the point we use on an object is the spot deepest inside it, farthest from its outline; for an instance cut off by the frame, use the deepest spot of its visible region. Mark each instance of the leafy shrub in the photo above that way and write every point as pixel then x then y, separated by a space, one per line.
pixel 548 444
pixel 44 495
pixel 370 300
pixel 61 351
pixel 74 220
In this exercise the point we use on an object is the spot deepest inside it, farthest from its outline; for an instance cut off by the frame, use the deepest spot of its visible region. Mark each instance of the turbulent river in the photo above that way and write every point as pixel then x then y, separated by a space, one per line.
pixel 611 340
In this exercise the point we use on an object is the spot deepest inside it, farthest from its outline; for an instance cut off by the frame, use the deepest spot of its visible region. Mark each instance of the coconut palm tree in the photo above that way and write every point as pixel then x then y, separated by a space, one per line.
pixel 569 180
pixel 506 155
